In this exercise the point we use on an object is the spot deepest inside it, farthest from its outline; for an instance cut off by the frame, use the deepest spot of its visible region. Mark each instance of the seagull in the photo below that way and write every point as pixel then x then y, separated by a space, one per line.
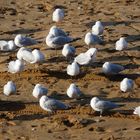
pixel 68 51
pixel 137 111
pixel 58 41
pixel 58 15
pixel 73 91
pixel 101 106
pixel 110 69
pixel 91 39
pixel 73 69
pixel 126 85
pixel 121 44
pixel 35 56
pixel 57 31
pixel 39 91
pixel 50 105
pixel 38 56
pixel 98 28
pixel 22 41
pixel 7 45
pixel 9 88
pixel 86 58
pixel 15 66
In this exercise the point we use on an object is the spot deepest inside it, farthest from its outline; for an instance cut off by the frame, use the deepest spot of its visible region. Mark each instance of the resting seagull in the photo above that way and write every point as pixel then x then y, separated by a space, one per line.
pixel 22 41
pixel 101 106
pixel 110 69
pixel 51 105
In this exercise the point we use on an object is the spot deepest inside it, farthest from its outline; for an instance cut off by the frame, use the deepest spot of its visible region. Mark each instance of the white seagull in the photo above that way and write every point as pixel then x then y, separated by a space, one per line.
pixel 110 69
pixel 54 30
pixel 91 39
pixel 7 45
pixel 98 28
pixel 101 106
pixel 137 111
pixel 56 42
pixel 121 44
pixel 86 58
pixel 9 88
pixel 73 69
pixel 22 41
pixel 126 85
pixel 15 66
pixel 73 91
pixel 58 15
pixel 68 51
pixel 35 56
pixel 39 91
pixel 51 105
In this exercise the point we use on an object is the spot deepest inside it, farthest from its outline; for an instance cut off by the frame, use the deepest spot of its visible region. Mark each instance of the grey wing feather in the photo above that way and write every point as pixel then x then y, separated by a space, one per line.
pixel 97 39
pixel 61 32
pixel 105 105
pixel 55 105
pixel 28 41
pixel 61 40
pixel 116 68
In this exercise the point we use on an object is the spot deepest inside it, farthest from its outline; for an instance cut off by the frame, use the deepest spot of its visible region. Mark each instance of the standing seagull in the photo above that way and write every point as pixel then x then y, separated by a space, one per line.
pixel 51 105
pixel 15 66
pixel 137 111
pixel 73 91
pixel 101 106
pixel 9 88
pixel 98 28
pixel 58 15
pixel 68 51
pixel 126 85
pixel 121 44
pixel 39 91
pixel 110 69
pixel 22 41
pixel 73 69
pixel 91 39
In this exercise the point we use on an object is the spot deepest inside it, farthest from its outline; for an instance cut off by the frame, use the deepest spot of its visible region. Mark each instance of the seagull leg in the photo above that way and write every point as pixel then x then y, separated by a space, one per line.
pixel 101 112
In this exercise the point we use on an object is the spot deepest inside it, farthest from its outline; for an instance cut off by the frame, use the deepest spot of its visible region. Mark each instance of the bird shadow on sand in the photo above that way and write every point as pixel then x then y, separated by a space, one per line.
pixel 112 23
pixel 123 100
pixel 60 74
pixel 11 105
pixel 23 31
pixel 120 77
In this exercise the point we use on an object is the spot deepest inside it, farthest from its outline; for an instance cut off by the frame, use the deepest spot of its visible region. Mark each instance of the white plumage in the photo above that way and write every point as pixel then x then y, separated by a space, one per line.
pixel 22 41
pixel 7 45
pixel 98 28
pixel 73 91
pixel 110 69
pixel 137 111
pixel 100 105
pixel 51 105
pixel 39 91
pixel 68 51
pixel 9 88
pixel 73 69
pixel 121 44
pixel 58 15
pixel 86 58
pixel 15 66
pixel 126 85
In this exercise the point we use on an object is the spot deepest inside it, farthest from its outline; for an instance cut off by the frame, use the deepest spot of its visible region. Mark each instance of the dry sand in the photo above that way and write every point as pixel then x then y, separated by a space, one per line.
pixel 21 118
